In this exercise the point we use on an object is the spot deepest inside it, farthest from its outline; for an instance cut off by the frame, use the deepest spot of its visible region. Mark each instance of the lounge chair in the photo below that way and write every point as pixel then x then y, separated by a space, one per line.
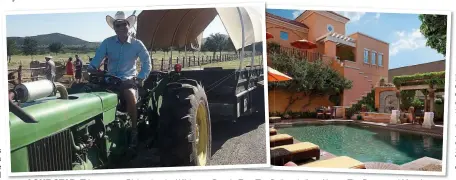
pixel 328 113
pixel 272 132
pixel 294 152
pixel 280 140
pixel 337 162
pixel 320 113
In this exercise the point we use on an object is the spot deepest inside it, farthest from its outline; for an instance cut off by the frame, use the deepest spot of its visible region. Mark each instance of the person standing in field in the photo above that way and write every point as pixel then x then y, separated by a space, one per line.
pixel 78 69
pixel 50 69
pixel 70 69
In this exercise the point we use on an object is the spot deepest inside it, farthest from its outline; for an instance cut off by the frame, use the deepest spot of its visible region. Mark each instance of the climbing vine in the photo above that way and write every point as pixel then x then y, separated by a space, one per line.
pixel 431 78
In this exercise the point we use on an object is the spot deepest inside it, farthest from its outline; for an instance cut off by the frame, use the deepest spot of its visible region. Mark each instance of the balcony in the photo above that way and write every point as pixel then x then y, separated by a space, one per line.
pixel 294 52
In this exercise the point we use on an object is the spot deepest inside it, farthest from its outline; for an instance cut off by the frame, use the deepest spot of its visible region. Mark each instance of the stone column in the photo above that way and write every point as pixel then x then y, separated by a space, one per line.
pixel 428 120
pixel 425 103
pixel 431 99
pixel 395 115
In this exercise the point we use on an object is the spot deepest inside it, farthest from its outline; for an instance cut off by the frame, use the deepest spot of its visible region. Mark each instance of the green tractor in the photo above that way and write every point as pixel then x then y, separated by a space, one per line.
pixel 86 126
pixel 90 129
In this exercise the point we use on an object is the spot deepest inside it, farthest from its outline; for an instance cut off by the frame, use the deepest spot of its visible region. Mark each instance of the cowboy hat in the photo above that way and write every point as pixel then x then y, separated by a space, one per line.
pixel 48 57
pixel 120 16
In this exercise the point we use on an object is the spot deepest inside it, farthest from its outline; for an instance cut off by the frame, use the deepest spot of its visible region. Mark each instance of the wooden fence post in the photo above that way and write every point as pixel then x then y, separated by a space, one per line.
pixel 194 59
pixel 189 61
pixel 170 63
pixel 161 68
pixel 152 63
pixel 19 74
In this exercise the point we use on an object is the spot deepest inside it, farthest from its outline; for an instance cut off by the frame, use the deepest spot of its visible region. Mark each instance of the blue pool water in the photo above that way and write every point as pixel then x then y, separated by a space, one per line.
pixel 368 144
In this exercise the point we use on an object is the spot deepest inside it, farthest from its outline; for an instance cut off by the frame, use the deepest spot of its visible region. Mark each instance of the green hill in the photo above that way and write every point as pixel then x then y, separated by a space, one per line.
pixel 46 39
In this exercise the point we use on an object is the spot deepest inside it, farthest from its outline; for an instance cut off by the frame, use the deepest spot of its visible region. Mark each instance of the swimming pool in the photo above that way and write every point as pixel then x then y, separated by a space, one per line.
pixel 368 144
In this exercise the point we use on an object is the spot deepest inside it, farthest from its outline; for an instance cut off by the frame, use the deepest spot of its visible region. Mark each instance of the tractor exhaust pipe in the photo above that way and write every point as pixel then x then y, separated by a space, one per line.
pixel 30 91
pixel 16 110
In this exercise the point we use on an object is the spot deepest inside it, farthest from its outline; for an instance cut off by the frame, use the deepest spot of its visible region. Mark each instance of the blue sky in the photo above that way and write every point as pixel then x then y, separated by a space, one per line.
pixel 89 26
pixel 407 44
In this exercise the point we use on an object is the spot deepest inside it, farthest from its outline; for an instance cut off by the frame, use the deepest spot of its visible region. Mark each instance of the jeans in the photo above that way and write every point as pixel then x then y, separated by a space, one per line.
pixel 50 77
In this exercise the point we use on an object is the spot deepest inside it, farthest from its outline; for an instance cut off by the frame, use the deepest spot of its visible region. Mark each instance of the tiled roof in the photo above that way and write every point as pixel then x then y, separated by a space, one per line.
pixel 286 20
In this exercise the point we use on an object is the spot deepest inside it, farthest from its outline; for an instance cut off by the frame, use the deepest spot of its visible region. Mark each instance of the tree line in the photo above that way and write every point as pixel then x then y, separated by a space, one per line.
pixel 31 47
pixel 215 43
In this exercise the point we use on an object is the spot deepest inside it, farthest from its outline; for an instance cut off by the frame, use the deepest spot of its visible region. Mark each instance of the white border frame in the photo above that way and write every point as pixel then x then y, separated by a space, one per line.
pixel 448 98
pixel 6 148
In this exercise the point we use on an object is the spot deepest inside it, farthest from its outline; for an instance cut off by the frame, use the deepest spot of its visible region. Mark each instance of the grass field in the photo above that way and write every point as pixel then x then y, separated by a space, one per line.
pixel 235 64
pixel 16 60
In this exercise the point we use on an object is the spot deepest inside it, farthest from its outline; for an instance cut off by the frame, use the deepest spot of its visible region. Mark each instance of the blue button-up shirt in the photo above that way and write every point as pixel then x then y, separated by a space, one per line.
pixel 122 58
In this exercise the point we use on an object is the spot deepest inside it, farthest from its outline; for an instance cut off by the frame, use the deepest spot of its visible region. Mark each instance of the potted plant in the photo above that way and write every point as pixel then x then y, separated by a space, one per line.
pixel 359 117
pixel 382 82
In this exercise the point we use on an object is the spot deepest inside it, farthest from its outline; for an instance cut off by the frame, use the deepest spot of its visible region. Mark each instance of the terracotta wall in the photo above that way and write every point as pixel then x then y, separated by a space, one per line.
pixel 318 25
pixel 373 71
pixel 364 76
pixel 278 101
pixel 274 27
pixel 360 84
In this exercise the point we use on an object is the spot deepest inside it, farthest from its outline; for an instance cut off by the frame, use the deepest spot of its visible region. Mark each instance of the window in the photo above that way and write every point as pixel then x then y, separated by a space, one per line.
pixel 374 55
pixel 380 59
pixel 330 28
pixel 366 56
pixel 283 35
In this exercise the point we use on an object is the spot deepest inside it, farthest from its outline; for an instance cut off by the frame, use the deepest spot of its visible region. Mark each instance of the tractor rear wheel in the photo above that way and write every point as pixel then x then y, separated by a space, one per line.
pixel 185 125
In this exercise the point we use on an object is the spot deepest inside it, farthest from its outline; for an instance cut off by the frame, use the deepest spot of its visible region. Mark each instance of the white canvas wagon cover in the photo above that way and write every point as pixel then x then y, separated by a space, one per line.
pixel 184 27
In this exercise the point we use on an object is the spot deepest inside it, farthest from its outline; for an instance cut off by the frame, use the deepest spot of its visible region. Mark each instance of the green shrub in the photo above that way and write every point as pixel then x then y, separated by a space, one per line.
pixel 359 117
pixel 368 101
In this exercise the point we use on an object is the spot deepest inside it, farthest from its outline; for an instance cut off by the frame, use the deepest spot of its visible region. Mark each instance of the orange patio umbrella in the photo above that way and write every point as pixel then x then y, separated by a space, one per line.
pixel 269 35
pixel 303 44
pixel 276 76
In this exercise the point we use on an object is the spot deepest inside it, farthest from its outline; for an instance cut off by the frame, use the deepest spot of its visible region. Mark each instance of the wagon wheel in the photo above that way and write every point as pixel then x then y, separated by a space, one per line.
pixel 184 125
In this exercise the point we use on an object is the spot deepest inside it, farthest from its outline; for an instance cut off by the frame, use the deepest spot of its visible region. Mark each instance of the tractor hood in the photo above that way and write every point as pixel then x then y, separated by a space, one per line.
pixel 55 115
pixel 183 27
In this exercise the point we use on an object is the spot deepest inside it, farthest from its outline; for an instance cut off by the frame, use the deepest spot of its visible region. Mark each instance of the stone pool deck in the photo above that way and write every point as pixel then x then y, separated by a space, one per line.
pixel 421 164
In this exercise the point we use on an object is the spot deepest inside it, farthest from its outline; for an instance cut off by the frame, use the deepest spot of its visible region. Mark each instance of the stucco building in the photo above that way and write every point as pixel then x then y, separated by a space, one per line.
pixel 359 57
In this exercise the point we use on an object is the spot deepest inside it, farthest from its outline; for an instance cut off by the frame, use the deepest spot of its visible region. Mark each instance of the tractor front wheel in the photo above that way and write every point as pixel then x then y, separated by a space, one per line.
pixel 185 125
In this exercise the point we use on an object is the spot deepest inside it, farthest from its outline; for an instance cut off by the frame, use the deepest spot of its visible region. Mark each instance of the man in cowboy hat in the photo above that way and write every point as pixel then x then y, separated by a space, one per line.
pixel 50 68
pixel 122 50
